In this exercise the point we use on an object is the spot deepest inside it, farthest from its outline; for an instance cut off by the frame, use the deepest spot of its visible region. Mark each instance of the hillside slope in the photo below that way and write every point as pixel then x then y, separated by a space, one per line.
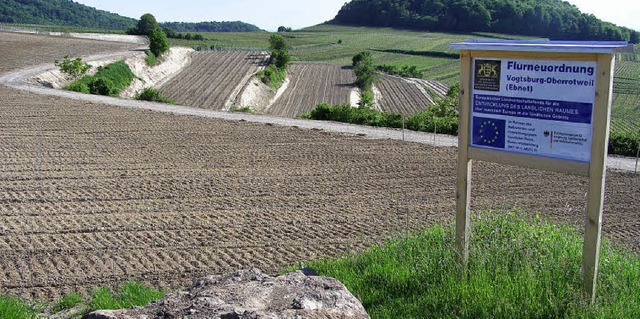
pixel 61 12
pixel 546 18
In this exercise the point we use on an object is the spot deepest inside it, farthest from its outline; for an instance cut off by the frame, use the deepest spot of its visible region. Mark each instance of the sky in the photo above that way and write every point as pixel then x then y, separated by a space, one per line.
pixel 297 14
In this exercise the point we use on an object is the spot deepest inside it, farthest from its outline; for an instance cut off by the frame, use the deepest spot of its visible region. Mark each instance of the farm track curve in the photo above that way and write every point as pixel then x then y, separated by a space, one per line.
pixel 93 194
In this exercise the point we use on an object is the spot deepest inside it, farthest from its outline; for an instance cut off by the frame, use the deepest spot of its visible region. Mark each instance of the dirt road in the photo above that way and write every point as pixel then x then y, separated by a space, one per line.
pixel 93 194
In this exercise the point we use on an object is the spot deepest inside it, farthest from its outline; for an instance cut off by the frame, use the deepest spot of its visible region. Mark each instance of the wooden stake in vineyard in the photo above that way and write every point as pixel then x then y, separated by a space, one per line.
pixel 637 157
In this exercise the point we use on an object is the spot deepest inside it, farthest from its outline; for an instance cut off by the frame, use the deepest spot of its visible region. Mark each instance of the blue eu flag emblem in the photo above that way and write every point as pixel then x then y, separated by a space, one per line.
pixel 489 132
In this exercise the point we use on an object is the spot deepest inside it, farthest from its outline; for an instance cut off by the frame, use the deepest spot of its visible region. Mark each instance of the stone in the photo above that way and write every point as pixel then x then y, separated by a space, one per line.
pixel 251 294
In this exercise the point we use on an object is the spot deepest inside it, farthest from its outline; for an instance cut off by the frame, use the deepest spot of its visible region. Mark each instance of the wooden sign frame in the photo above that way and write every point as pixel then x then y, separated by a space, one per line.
pixel 599 52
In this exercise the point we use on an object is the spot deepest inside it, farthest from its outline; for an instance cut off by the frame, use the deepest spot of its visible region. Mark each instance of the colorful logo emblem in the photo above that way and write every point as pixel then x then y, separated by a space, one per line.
pixel 489 132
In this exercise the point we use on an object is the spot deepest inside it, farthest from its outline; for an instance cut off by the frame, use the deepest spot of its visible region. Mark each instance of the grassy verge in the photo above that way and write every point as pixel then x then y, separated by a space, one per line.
pixel 110 80
pixel 11 307
pixel 151 58
pixel 153 95
pixel 127 295
pixel 272 76
pixel 520 267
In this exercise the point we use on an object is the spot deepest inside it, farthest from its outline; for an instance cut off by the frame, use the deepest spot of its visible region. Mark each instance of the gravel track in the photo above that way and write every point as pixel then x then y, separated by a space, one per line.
pixel 95 190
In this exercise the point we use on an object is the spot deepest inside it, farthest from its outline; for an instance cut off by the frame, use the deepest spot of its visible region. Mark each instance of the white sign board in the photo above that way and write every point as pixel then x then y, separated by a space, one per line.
pixel 533 107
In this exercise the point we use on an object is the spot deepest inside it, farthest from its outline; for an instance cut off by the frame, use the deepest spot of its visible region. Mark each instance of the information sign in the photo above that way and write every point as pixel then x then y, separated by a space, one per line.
pixel 534 107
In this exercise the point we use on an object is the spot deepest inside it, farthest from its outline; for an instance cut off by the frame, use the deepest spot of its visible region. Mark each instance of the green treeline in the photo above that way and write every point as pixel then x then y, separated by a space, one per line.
pixel 61 13
pixel 553 19
pixel 213 26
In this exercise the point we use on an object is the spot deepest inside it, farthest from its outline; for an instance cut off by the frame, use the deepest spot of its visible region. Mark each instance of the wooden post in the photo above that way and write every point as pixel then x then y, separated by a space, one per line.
pixel 597 172
pixel 463 185
pixel 637 157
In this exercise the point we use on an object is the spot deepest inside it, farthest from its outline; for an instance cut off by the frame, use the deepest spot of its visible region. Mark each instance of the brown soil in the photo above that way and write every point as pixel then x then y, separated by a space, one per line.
pixel 212 78
pixel 92 194
pixel 312 84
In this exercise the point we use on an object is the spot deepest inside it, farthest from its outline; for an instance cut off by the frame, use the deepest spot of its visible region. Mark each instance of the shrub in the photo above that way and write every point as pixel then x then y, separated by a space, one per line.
pixel 364 55
pixel 279 52
pixel 102 86
pixel 79 86
pixel 153 95
pixel 158 43
pixel 404 71
pixel 109 80
pixel 272 76
pixel 72 68
pixel 624 143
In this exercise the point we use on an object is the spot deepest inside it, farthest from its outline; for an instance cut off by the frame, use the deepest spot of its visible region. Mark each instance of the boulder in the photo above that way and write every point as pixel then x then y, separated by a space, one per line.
pixel 250 294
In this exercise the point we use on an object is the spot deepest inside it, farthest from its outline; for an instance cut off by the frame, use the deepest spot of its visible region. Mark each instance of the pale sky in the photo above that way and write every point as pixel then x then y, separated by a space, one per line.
pixel 269 14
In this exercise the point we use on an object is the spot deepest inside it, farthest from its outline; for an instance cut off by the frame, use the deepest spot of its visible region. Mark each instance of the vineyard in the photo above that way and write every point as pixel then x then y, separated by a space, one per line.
pixel 214 79
pixel 408 97
pixel 311 84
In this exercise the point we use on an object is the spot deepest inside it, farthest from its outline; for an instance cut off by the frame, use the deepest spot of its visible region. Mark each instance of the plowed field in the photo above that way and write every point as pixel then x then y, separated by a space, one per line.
pixel 92 194
pixel 213 78
pixel 408 96
pixel 312 84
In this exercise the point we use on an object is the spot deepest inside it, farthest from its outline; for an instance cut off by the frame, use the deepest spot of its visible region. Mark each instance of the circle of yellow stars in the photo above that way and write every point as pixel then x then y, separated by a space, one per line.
pixel 495 131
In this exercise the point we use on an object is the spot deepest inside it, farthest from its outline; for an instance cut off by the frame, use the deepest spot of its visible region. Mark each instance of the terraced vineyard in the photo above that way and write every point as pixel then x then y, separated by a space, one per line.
pixel 311 84
pixel 214 78
pixel 408 97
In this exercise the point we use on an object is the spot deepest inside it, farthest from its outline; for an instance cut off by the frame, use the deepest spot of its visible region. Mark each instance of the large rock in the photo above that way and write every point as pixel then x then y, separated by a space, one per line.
pixel 250 294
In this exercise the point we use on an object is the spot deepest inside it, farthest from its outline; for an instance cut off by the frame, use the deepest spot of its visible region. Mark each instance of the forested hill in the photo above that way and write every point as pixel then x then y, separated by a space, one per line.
pixel 225 26
pixel 61 13
pixel 553 19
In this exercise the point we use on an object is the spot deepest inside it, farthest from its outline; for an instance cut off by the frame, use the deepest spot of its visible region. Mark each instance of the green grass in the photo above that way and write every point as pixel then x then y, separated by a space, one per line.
pixel 243 109
pixel 519 267
pixel 109 80
pixel 129 294
pixel 12 307
pixel 153 95
pixel 151 58
pixel 67 302
pixel 272 76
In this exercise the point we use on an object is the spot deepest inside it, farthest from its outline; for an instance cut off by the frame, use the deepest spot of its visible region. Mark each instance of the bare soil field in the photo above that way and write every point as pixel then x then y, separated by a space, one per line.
pixel 312 84
pixel 22 50
pixel 92 194
pixel 404 96
pixel 213 78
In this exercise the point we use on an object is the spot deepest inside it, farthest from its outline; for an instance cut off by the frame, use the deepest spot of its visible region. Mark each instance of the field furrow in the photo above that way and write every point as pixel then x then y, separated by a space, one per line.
pixel 312 84
pixel 211 78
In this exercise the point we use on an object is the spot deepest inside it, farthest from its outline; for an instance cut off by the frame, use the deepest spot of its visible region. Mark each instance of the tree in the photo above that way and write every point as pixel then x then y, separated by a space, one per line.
pixel 279 51
pixel 158 43
pixel 360 56
pixel 284 29
pixel 146 24
pixel 366 76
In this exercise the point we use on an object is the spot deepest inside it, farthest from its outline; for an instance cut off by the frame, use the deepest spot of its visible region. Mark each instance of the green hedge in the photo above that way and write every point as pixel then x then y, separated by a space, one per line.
pixel 110 80
pixel 624 143
pixel 425 121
